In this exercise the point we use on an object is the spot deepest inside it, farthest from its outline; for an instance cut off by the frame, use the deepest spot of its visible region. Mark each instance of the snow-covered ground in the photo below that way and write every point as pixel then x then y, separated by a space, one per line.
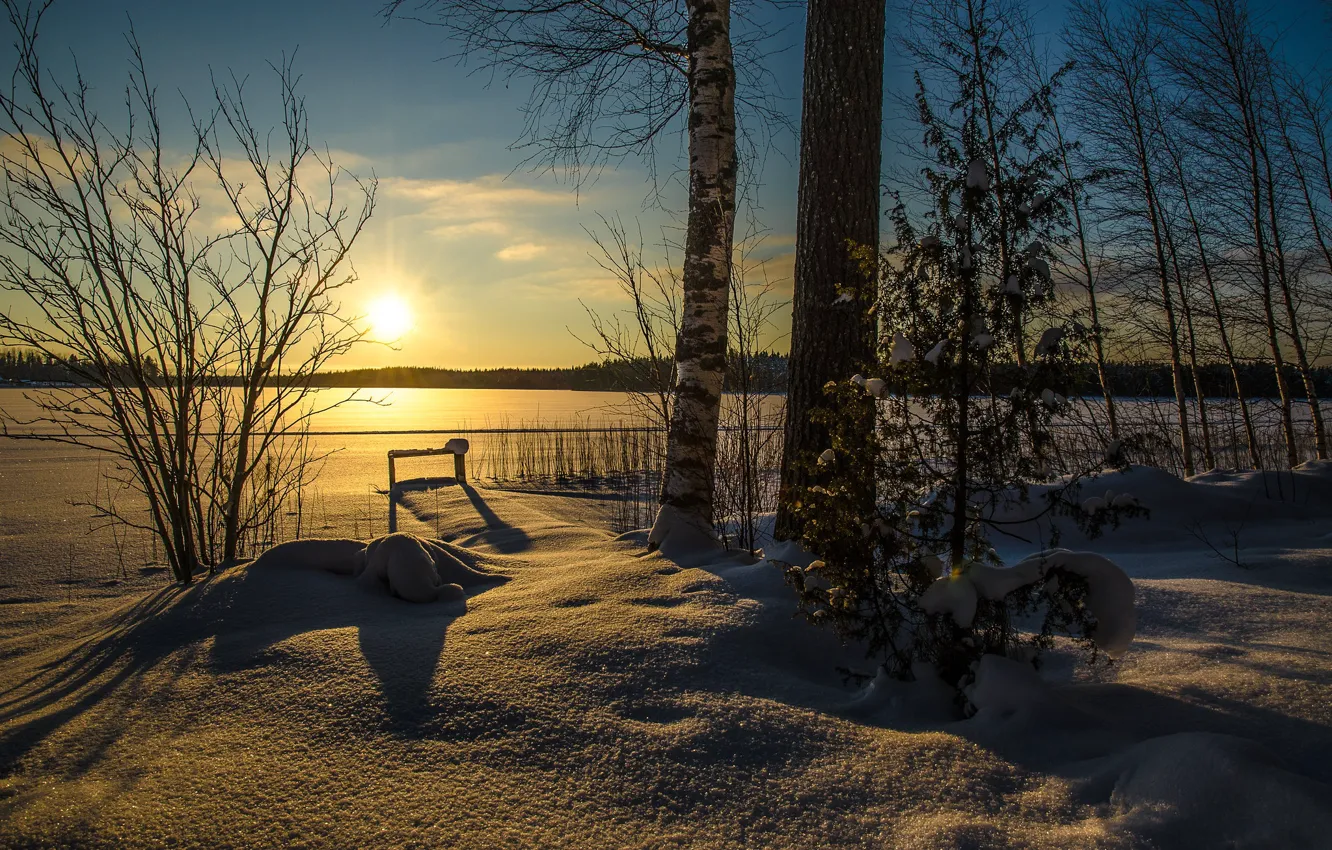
pixel 603 697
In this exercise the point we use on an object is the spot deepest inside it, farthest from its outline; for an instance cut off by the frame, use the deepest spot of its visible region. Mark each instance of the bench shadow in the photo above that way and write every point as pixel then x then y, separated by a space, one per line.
pixel 500 535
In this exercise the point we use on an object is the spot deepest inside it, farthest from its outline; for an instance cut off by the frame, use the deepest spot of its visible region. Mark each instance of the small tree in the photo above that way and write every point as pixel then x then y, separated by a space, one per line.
pixel 965 433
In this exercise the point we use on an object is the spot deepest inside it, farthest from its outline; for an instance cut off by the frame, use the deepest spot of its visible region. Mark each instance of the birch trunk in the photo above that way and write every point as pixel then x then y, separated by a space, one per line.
pixel 1186 311
pixel 1231 361
pixel 691 442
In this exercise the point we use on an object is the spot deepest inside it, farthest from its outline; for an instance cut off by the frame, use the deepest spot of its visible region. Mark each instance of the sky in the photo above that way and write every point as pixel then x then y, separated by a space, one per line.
pixel 488 260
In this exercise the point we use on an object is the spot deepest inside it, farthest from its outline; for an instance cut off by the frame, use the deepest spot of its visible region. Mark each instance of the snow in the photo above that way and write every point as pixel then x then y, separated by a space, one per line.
pixel 902 350
pixel 1052 399
pixel 936 352
pixel 1050 338
pixel 1013 286
pixel 678 535
pixel 875 387
pixel 1109 592
pixel 844 298
pixel 587 693
pixel 954 595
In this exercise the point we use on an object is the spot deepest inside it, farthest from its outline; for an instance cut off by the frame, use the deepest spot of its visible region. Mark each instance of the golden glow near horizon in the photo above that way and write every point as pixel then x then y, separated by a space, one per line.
pixel 390 318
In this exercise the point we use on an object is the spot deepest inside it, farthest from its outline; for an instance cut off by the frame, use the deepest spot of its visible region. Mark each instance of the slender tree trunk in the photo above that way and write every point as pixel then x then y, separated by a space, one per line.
pixel 837 208
pixel 691 444
pixel 1204 426
pixel 1163 275
pixel 1080 228
pixel 1269 314
pixel 1296 338
pixel 1226 346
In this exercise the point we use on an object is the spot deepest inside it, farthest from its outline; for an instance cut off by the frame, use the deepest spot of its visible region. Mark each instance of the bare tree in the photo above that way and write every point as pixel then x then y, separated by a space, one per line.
pixel 700 353
pixel 1113 81
pixel 643 345
pixel 291 255
pixel 156 314
pixel 1210 49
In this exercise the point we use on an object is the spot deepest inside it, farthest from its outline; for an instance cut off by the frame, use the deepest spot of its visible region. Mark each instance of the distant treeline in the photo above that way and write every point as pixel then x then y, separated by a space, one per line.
pixel 767 371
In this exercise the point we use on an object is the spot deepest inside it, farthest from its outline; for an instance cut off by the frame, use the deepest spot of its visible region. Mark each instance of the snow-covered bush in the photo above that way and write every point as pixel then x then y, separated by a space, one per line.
pixel 966 398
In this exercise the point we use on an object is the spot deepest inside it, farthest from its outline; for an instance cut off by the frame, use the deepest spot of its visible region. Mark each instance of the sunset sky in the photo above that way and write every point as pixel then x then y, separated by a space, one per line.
pixel 490 262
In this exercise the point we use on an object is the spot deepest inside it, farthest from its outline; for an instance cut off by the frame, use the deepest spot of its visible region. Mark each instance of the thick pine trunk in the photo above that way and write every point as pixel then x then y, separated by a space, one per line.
pixel 691 443
pixel 837 207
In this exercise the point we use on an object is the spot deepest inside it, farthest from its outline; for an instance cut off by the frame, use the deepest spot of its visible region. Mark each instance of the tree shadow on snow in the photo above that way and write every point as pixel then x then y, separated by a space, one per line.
pixel 230 624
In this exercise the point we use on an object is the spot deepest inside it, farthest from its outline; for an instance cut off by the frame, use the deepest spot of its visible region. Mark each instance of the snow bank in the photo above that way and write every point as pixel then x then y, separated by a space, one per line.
pixel 678 536
pixel 410 567
pixel 630 699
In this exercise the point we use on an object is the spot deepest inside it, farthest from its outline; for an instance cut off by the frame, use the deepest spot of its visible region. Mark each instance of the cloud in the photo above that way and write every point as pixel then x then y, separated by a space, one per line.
pixel 485 197
pixel 522 252
pixel 480 227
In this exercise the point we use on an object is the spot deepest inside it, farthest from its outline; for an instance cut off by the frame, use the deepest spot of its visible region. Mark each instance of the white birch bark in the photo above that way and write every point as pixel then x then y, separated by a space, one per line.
pixel 691 445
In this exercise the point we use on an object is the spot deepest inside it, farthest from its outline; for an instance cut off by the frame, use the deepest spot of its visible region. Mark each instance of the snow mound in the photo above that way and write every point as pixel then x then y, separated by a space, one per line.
pixel 1201 789
pixel 413 568
pixel 341 556
pixel 400 563
pixel 1004 688
pixel 678 536
pixel 1109 592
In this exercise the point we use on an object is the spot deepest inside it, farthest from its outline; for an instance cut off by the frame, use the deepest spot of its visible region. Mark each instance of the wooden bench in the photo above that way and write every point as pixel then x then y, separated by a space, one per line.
pixel 457 447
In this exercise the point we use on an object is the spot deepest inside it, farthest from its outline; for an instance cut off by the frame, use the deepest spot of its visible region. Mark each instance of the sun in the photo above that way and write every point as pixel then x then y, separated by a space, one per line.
pixel 390 318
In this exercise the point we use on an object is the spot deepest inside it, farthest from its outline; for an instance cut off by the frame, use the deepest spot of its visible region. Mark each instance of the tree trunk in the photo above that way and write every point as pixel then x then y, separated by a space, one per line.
pixel 837 208
pixel 691 442
pixel 975 31
pixel 1250 437
pixel 1098 344
pixel 1163 274
pixel 1186 311
pixel 1296 338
